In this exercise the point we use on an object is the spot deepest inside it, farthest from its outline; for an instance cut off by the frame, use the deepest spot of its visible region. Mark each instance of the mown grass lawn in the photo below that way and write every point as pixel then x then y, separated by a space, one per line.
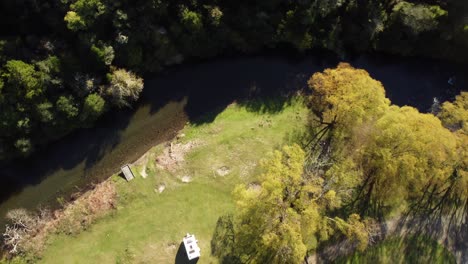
pixel 148 226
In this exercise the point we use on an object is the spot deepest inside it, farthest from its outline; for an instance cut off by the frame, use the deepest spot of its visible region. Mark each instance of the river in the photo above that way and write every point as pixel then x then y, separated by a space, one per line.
pixel 196 93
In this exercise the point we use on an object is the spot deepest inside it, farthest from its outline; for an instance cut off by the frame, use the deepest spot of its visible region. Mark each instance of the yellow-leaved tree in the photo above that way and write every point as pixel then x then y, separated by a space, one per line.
pixel 379 156
pixel 346 96
pixel 347 102
pixel 455 117
pixel 286 215
pixel 408 153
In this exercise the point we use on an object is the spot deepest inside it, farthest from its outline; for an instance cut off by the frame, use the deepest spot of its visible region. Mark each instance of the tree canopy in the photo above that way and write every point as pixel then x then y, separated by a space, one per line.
pixel 383 160
pixel 288 213
pixel 455 117
pixel 391 156
pixel 346 96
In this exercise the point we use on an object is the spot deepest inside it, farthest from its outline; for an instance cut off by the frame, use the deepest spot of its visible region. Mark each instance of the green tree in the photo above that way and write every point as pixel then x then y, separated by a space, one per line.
pixel 49 70
pixel 294 29
pixel 24 78
pixel 45 112
pixel 67 106
pixel 191 19
pixel 24 125
pixel 74 21
pixel 83 13
pixel 23 145
pixel 418 17
pixel 93 107
pixel 104 53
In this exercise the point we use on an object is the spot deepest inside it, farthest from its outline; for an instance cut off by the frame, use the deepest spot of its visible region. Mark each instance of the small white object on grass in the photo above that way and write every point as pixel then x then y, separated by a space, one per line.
pixel 143 172
pixel 127 172
pixel 186 179
pixel 191 246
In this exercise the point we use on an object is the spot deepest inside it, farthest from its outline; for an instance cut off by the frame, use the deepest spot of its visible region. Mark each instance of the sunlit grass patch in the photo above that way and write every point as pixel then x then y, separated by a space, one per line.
pixel 148 224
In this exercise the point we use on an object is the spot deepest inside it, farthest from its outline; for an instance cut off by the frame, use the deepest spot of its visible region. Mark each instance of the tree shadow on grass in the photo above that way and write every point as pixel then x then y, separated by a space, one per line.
pixel 222 242
pixel 181 256
pixel 271 105
pixel 410 249
pixel 212 87
pixel 450 228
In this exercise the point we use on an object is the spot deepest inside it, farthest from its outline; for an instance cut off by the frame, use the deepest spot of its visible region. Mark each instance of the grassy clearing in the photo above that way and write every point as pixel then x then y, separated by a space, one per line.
pixel 148 226
pixel 417 249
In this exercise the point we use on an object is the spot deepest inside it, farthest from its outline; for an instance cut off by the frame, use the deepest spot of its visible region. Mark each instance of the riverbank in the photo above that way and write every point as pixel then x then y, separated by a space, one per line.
pixel 185 94
pixel 187 185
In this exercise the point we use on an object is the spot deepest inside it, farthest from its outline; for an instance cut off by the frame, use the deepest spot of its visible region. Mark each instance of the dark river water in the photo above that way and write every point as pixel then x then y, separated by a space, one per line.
pixel 187 93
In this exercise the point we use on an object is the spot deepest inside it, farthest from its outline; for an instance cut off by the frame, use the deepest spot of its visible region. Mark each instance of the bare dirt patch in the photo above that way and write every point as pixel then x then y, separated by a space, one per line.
pixel 223 171
pixel 172 246
pixel 173 155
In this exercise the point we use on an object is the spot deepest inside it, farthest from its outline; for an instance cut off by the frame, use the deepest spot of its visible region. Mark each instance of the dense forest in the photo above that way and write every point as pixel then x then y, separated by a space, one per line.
pixel 65 62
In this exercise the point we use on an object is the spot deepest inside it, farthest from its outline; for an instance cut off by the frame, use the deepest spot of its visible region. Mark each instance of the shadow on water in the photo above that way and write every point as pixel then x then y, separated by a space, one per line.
pixel 181 256
pixel 198 93
pixel 81 157
pixel 415 81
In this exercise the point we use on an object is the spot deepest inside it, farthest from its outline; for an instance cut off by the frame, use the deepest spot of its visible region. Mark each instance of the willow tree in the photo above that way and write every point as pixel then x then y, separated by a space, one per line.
pixel 347 101
pixel 455 117
pixel 408 155
pixel 284 217
pixel 382 156
pixel 346 96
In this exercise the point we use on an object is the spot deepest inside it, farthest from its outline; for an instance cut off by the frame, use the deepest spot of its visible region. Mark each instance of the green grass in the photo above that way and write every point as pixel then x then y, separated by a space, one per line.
pixel 417 249
pixel 148 226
